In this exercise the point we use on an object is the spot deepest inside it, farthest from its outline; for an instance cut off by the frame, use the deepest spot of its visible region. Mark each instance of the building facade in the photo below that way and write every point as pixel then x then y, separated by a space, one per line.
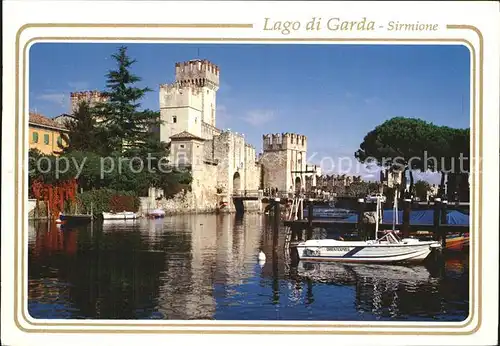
pixel 221 162
pixel 92 97
pixel 284 161
pixel 45 134
pixel 391 178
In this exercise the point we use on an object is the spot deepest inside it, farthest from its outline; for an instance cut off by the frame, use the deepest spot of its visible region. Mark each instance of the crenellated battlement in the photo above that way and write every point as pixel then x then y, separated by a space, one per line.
pixel 90 96
pixel 283 141
pixel 178 88
pixel 200 73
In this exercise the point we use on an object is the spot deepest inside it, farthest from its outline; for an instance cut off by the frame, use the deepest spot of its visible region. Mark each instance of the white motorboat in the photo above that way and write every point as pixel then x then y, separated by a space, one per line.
pixel 124 215
pixel 387 249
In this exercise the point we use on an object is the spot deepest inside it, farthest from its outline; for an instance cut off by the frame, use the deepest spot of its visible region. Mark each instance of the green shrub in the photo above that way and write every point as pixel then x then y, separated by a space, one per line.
pixel 105 200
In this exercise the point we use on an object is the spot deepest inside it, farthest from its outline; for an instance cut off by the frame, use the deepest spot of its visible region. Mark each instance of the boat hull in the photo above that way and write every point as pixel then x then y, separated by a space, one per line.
pixel 119 216
pixel 457 243
pixel 365 252
pixel 74 219
pixel 157 214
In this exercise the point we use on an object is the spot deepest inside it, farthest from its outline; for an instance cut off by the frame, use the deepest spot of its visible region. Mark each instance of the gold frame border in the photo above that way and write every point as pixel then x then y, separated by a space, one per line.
pixel 420 328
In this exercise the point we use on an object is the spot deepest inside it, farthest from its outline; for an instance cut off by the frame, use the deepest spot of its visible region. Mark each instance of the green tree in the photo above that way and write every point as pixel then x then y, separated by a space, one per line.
pixel 83 133
pixel 399 144
pixel 405 144
pixel 128 127
pixel 133 134
pixel 361 189
pixel 451 148
pixel 122 151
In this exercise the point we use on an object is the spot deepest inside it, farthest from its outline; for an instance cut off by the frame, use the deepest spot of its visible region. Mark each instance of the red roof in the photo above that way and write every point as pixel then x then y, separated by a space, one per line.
pixel 41 120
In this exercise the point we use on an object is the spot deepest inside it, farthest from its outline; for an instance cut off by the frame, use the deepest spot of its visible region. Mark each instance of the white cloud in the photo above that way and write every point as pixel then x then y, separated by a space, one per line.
pixel 78 86
pixel 258 117
pixel 57 98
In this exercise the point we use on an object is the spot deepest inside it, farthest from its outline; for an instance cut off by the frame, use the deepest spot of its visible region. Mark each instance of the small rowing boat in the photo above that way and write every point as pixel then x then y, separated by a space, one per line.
pixel 157 213
pixel 124 215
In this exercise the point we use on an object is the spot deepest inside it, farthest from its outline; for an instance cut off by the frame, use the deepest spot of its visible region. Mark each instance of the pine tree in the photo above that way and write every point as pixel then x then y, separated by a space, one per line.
pixel 81 126
pixel 128 127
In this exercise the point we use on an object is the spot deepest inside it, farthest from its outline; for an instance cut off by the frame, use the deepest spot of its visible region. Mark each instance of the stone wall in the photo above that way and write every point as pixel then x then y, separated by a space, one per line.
pixel 275 169
pixel 204 187
pixel 208 131
pixel 222 148
pixel 188 202
pixel 223 157
pixel 252 169
pixel 253 206
pixel 208 151
pixel 182 203
pixel 91 96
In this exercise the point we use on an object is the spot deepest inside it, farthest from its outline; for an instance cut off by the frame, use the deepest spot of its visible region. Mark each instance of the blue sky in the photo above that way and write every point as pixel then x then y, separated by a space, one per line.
pixel 333 94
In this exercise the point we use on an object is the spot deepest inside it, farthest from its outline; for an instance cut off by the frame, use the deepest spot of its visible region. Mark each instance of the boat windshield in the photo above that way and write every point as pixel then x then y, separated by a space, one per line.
pixel 390 237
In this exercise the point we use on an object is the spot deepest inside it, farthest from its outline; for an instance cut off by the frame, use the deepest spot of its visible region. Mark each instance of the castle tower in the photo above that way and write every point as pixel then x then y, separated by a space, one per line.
pixel 284 161
pixel 189 103
pixel 91 96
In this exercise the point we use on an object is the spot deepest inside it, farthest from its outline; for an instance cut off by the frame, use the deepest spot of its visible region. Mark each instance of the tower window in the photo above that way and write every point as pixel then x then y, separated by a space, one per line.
pixel 46 139
pixel 35 137
pixel 196 120
pixel 174 119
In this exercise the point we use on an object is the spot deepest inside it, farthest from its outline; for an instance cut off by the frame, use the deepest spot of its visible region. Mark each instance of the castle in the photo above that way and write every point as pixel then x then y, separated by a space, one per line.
pixel 222 163
pixel 222 160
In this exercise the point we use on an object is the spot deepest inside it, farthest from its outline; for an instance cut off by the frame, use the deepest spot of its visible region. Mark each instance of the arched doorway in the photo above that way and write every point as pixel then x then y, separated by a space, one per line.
pixel 298 185
pixel 236 182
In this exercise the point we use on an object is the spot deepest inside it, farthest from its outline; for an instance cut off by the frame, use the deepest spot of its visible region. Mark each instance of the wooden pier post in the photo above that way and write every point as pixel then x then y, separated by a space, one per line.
pixel 443 221
pixel 444 212
pixel 310 215
pixel 361 215
pixel 406 218
pixel 437 217
pixel 276 226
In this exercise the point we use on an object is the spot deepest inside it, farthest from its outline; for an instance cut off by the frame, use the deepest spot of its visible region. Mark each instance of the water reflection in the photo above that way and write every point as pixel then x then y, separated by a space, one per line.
pixel 207 267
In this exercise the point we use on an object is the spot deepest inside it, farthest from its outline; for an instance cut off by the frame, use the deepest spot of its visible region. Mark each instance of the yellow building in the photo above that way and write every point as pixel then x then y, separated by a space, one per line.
pixel 45 134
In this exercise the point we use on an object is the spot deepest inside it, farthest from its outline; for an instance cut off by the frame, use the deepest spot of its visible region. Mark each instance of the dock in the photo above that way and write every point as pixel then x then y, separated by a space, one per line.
pixel 297 223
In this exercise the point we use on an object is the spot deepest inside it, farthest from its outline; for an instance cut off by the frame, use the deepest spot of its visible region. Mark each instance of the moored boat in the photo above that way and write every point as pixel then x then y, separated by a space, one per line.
pixel 156 213
pixel 387 249
pixel 74 219
pixel 124 215
pixel 457 242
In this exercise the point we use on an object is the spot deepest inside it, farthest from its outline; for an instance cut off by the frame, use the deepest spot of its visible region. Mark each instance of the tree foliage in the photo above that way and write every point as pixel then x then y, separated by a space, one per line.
pixel 127 126
pixel 83 133
pixel 407 144
pixel 113 144
pixel 361 189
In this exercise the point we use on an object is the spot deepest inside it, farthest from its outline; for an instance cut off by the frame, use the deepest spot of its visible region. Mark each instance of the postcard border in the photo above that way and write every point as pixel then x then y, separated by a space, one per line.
pixel 343 329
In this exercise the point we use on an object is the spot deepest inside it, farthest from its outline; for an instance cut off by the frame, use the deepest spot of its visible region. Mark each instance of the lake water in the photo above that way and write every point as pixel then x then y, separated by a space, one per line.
pixel 206 267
